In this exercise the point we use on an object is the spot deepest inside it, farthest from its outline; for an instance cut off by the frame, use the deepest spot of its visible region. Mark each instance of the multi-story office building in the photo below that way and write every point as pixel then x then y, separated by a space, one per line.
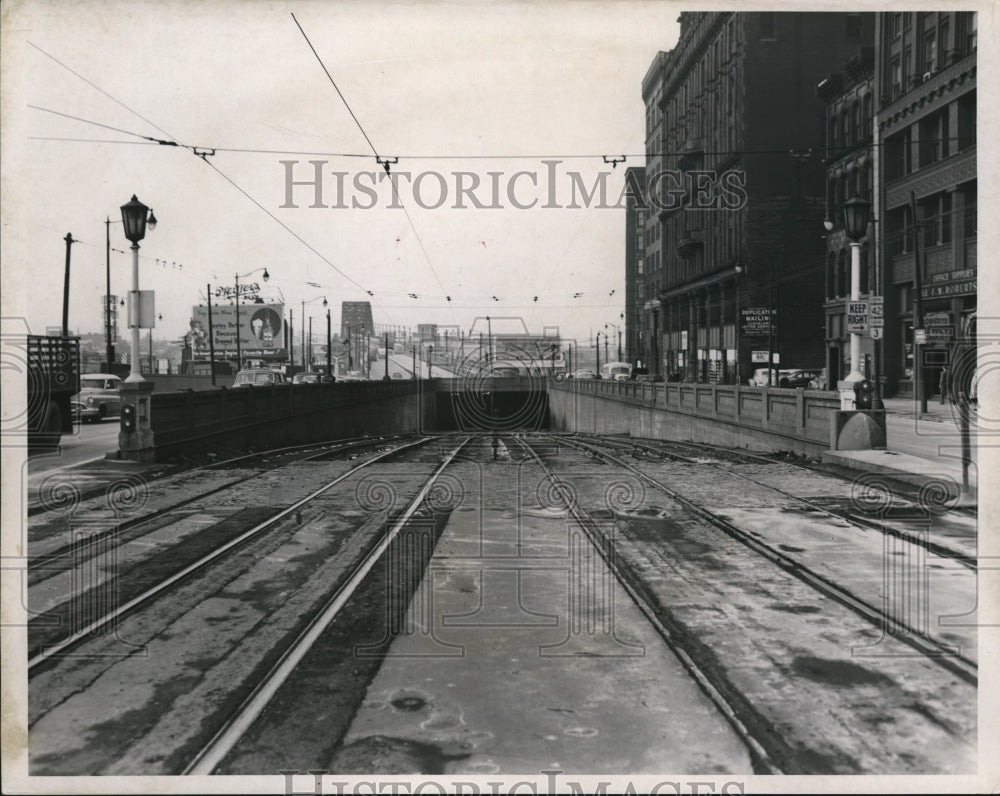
pixel 925 109
pixel 649 347
pixel 850 169
pixel 635 271
pixel 735 178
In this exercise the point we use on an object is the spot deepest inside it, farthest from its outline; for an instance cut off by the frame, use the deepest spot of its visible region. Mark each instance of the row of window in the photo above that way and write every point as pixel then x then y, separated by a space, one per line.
pixel 938 222
pixel 946 132
pixel 937 46
pixel 838 273
pixel 852 126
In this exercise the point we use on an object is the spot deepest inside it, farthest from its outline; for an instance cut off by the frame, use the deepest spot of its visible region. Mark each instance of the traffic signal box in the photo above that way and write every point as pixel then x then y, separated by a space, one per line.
pixel 864 394
pixel 128 418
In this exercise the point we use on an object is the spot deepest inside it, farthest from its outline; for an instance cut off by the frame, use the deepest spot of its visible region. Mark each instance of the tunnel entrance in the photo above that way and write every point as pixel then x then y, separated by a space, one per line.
pixel 492 409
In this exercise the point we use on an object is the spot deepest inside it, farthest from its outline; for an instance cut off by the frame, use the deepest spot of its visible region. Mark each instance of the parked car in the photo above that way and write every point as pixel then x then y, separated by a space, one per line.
pixel 788 377
pixel 98 397
pixel 258 377
pixel 306 378
pixel 584 373
pixel 397 375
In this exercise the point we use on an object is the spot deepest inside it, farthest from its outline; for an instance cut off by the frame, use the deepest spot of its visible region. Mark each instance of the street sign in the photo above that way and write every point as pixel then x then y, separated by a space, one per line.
pixel 876 317
pixel 758 356
pixel 857 317
pixel 919 336
pixel 876 332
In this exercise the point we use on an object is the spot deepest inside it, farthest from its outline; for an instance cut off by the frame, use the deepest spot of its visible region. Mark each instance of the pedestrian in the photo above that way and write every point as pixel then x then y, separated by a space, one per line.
pixel 943 384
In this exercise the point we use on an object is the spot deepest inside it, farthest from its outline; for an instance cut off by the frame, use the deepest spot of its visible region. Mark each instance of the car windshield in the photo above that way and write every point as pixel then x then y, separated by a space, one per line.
pixel 92 384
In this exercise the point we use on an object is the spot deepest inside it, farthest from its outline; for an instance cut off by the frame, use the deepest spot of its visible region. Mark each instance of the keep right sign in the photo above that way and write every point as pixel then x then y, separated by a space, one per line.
pixel 857 317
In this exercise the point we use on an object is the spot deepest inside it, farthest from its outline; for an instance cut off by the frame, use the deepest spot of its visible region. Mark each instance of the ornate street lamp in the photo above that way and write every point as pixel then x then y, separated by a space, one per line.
pixel 856 213
pixel 135 218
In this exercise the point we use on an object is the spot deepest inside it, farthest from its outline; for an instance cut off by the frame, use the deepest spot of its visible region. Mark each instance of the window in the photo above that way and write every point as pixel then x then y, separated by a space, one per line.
pixel 767 25
pixel 640 266
pixel 934 137
pixel 895 79
pixel 930 51
pixel 831 275
pixel 966 121
pixel 969 219
pixel 970 33
pixel 895 25
pixel 856 121
pixel 842 284
pixel 638 241
pixel 898 155
pixel 937 219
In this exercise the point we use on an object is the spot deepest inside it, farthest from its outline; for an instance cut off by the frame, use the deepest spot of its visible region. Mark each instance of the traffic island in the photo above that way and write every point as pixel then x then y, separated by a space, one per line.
pixel 857 430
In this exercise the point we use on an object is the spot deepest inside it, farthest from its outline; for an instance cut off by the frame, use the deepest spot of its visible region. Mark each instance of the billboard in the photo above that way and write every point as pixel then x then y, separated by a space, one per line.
pixel 261 330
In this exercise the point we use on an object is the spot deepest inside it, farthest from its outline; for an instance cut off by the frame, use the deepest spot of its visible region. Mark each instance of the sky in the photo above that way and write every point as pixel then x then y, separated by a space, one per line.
pixel 445 87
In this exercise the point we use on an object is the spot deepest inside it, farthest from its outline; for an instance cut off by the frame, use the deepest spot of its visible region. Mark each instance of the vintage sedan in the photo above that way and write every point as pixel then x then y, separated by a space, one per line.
pixel 98 398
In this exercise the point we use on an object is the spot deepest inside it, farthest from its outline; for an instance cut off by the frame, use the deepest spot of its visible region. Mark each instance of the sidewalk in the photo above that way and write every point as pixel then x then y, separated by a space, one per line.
pixel 64 486
pixel 936 411
pixel 918 470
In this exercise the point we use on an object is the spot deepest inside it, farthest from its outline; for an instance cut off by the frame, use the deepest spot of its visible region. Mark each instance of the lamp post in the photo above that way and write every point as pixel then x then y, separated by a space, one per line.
pixel 135 436
pixel 430 355
pixel 65 313
pixel 856 212
pixel 597 346
pixel 152 370
pixel 619 330
pixel 386 376
pixel 239 348
pixel 135 217
pixel 329 344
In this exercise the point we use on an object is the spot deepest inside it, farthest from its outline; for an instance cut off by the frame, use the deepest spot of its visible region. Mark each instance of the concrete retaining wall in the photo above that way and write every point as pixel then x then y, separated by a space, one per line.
pixel 287 414
pixel 758 418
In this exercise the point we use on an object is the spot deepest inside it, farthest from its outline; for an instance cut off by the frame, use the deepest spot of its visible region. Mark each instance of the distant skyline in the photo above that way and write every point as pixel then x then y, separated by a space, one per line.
pixel 96 95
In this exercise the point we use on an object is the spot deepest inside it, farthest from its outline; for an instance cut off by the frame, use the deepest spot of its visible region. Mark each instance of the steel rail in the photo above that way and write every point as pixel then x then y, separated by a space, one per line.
pixel 943 655
pixel 762 759
pixel 236 726
pixel 49 652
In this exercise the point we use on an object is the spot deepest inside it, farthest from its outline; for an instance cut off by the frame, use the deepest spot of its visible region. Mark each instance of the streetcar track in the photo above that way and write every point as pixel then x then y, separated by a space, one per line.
pixel 47 653
pixel 936 548
pixel 47 561
pixel 940 653
pixel 236 725
pixel 762 760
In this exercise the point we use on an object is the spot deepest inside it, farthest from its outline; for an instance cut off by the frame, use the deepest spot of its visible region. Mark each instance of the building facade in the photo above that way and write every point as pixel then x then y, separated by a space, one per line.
pixel 635 272
pixel 925 99
pixel 735 179
pixel 850 169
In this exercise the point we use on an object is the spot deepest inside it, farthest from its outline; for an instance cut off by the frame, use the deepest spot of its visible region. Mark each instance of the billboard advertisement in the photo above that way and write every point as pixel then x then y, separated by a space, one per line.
pixel 261 330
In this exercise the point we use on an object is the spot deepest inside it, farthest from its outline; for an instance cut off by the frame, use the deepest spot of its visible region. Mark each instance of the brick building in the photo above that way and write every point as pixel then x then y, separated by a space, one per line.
pixel 850 169
pixel 925 101
pixel 636 334
pixel 735 99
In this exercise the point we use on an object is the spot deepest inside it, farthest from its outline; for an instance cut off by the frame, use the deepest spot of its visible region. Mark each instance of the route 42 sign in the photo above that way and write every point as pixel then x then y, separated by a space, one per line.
pixel 857 317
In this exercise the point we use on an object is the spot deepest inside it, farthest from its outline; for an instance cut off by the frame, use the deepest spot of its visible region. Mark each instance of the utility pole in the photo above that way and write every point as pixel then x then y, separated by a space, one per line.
pixel 108 341
pixel 65 314
pixel 919 388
